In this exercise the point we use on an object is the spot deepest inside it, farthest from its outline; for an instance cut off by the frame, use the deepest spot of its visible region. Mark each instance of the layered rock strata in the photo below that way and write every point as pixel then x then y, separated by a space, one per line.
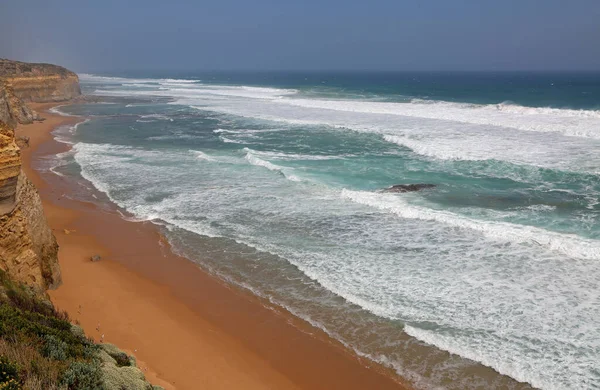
pixel 28 249
pixel 40 82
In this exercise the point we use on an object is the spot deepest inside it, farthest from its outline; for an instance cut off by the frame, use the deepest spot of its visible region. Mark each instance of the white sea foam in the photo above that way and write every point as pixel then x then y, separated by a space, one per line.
pixel 56 110
pixel 202 92
pixel 438 138
pixel 577 123
pixel 94 79
pixel 202 156
pixel 431 149
pixel 53 170
pixel 246 131
pixel 508 364
pixel 65 133
pixel 83 157
pixel 178 81
pixel 541 208
pixel 568 244
pixel 176 135
pixel 451 345
pixel 230 141
pixel 141 85
pixel 53 162
pixel 291 156
pixel 246 92
pixel 434 129
pixel 153 117
pixel 252 159
pixel 564 112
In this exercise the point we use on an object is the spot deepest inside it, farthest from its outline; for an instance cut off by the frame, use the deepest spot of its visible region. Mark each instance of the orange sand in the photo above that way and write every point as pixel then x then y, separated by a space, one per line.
pixel 188 329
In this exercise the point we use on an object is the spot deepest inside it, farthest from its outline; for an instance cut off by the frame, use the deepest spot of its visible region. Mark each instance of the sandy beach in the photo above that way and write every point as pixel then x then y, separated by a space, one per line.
pixel 188 329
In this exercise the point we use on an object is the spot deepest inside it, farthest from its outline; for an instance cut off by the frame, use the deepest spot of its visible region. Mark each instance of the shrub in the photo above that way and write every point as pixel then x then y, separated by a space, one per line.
pixel 54 348
pixel 121 358
pixel 9 375
pixel 24 298
pixel 83 376
pixel 11 384
pixel 36 372
pixel 130 378
pixel 26 326
pixel 8 369
pixel 43 343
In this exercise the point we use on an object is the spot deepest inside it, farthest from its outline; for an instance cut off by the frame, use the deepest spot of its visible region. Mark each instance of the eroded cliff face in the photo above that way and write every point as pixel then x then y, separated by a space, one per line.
pixel 40 82
pixel 10 168
pixel 12 109
pixel 28 249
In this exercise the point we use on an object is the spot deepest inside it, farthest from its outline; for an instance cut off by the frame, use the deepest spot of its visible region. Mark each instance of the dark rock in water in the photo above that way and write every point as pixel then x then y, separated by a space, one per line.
pixel 408 187
pixel 95 258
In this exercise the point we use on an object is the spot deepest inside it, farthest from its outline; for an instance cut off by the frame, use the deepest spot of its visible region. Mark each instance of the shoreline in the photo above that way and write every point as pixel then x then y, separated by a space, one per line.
pixel 187 328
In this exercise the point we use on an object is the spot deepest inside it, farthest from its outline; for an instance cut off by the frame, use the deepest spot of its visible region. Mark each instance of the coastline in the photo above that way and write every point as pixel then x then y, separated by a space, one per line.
pixel 187 328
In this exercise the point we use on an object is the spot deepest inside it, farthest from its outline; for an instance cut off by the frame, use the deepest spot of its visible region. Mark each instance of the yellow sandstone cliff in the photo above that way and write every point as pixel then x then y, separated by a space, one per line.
pixel 40 82
pixel 28 249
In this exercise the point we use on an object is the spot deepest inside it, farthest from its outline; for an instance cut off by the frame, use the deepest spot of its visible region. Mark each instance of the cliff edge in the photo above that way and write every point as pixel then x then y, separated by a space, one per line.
pixel 28 249
pixel 40 82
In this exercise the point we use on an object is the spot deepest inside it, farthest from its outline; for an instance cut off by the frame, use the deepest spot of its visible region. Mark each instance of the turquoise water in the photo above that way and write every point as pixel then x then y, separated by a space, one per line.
pixel 272 182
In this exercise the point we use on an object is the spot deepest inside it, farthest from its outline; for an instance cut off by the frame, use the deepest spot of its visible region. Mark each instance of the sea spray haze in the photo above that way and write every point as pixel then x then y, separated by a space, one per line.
pixel 488 280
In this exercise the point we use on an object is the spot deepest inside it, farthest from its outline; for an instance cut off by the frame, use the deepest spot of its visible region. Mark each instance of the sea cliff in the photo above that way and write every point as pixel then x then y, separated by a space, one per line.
pixel 28 249
pixel 39 82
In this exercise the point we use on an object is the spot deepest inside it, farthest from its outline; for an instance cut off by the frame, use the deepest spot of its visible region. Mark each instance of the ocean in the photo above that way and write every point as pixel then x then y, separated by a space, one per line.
pixel 273 182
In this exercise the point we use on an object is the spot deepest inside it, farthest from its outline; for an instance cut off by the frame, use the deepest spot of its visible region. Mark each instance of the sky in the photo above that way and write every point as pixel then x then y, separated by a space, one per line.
pixel 391 35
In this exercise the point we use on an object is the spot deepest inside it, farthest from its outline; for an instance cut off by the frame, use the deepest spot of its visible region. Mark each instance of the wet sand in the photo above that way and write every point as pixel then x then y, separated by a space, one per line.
pixel 188 329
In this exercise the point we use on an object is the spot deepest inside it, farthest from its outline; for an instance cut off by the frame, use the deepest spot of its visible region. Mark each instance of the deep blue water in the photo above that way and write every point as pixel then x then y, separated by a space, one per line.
pixel 278 178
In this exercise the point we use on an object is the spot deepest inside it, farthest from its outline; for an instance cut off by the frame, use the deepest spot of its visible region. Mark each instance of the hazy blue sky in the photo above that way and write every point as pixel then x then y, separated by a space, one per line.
pixel 310 34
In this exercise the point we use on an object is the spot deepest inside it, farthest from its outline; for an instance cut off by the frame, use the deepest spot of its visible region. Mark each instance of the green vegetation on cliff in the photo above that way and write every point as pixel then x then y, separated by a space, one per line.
pixel 41 350
pixel 38 346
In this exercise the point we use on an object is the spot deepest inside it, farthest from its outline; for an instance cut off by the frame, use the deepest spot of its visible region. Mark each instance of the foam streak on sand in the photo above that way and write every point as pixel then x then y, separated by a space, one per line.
pixel 64 133
pixel 56 110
